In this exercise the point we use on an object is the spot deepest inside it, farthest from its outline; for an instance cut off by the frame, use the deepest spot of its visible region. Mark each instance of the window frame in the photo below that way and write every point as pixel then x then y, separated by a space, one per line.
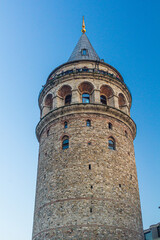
pixel 84 50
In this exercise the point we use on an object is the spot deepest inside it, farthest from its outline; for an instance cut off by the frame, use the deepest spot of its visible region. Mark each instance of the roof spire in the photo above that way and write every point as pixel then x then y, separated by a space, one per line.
pixel 83 26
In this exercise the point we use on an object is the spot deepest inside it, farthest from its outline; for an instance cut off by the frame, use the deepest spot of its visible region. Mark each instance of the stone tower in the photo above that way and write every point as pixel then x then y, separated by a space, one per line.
pixel 87 184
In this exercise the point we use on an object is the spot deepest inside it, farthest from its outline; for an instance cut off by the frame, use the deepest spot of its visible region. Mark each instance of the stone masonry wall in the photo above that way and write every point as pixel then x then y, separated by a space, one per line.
pixel 75 202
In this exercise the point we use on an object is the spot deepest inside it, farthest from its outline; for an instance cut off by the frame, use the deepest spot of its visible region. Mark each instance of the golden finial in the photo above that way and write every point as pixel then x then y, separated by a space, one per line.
pixel 83 26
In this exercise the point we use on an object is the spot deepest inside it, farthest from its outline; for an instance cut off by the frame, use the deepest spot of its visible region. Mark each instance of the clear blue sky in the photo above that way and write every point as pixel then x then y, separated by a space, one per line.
pixel 36 37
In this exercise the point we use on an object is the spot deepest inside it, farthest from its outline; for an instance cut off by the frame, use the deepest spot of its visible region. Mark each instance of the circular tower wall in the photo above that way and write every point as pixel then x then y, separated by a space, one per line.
pixel 87 184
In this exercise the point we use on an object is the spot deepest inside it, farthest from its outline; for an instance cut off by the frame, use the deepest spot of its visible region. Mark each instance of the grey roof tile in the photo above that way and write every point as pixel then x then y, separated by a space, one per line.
pixel 83 43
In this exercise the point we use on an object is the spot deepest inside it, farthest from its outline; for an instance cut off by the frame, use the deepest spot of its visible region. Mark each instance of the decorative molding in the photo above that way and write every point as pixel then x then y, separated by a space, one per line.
pixel 80 108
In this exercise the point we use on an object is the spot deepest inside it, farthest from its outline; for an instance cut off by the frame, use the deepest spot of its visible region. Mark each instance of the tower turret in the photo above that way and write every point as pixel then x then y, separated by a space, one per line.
pixel 87 184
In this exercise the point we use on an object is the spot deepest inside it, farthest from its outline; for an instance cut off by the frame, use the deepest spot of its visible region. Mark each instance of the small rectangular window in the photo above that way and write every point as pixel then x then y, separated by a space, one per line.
pixel 85 98
pixel 110 125
pixel 88 123
pixel 65 125
pixel 89 166
pixel 84 52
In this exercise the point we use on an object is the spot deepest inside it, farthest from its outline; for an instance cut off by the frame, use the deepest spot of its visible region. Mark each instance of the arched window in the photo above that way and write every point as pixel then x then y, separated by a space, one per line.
pixel 111 143
pixel 65 92
pixel 103 99
pixel 121 100
pixel 65 125
pixel 48 101
pixel 110 125
pixel 85 98
pixel 68 100
pixel 88 123
pixel 86 90
pixel 65 142
pixel 107 95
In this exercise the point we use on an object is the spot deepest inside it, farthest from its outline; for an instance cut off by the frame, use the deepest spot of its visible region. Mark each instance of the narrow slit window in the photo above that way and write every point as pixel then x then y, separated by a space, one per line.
pixel 110 125
pixel 65 143
pixel 89 166
pixel 88 123
pixel 126 134
pixel 65 125
pixel 90 210
pixel 111 144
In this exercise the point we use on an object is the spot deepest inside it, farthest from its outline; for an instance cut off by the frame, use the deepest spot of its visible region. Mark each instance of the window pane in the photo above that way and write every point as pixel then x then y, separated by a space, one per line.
pixel 103 99
pixel 65 125
pixel 88 123
pixel 85 98
pixel 65 144
pixel 85 95
pixel 111 144
pixel 84 51
pixel 67 99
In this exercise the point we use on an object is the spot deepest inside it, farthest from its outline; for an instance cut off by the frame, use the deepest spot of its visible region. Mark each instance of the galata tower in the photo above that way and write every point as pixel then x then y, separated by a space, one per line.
pixel 87 184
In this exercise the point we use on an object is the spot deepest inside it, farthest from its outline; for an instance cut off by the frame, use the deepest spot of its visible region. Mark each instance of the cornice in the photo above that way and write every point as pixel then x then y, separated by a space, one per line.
pixel 85 108
pixel 96 62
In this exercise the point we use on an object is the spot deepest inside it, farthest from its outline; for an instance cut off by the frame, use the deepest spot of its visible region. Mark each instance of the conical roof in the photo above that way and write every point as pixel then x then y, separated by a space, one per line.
pixel 84 50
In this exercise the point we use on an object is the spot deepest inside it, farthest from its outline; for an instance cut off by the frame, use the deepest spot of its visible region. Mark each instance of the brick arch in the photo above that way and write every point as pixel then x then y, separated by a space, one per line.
pixel 121 100
pixel 64 135
pixel 111 138
pixel 48 100
pixel 86 87
pixel 64 91
pixel 106 90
